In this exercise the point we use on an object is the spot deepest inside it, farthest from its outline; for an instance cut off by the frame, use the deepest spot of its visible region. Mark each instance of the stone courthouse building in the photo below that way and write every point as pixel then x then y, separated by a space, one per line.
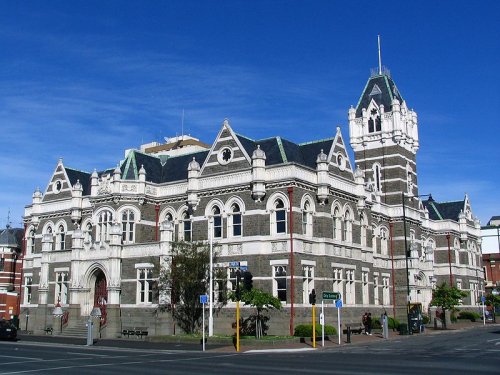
pixel 297 216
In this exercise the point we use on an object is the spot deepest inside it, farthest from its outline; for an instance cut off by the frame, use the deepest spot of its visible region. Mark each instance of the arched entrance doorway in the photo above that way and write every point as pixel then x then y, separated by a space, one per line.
pixel 101 294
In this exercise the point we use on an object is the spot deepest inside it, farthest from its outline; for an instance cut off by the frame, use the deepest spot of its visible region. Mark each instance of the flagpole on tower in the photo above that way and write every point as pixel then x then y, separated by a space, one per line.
pixel 379 57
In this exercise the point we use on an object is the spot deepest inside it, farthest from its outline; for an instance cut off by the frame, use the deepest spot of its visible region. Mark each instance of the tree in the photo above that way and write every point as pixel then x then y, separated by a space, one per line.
pixel 447 298
pixel 262 301
pixel 186 275
pixel 492 300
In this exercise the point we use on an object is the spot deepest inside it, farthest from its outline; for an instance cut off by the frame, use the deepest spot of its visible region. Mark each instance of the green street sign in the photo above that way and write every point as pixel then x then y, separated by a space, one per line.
pixel 331 295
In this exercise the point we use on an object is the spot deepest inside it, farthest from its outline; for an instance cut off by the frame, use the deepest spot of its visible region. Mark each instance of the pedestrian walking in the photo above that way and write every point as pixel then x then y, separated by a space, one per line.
pixel 364 319
pixel 369 323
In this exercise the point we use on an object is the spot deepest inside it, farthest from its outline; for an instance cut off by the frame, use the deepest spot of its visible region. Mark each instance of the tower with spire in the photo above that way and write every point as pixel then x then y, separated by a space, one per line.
pixel 384 136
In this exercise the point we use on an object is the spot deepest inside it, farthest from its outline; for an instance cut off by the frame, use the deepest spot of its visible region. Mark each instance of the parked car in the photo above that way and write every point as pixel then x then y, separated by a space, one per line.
pixel 7 330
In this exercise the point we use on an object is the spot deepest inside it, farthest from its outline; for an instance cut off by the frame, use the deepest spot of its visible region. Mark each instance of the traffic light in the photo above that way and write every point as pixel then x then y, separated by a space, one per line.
pixel 312 297
pixel 238 281
pixel 247 281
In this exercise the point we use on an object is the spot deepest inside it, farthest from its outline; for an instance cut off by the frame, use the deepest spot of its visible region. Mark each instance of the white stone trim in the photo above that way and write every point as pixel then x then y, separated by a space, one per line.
pixel 278 262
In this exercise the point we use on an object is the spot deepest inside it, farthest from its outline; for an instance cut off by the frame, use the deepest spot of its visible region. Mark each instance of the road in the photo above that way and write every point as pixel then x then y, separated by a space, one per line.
pixel 474 351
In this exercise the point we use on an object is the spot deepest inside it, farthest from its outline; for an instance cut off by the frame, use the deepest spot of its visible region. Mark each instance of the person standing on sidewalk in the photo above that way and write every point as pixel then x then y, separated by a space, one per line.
pixel 364 319
pixel 369 323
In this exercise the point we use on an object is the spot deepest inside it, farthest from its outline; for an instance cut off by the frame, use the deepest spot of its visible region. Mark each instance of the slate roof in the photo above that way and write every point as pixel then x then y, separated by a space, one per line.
pixel 279 150
pixel 83 177
pixel 163 169
pixel 11 237
pixel 387 92
pixel 443 211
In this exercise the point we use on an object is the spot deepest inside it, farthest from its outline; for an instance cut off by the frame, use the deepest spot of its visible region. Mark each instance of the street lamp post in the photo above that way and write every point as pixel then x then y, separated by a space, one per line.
pixel 406 262
pixel 95 313
pixel 211 281
pixel 57 313
pixel 408 295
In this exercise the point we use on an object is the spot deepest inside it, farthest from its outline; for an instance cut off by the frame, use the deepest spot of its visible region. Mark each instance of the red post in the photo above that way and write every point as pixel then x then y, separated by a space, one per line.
pixel 157 210
pixel 391 227
pixel 449 258
pixel 292 288
pixel 23 252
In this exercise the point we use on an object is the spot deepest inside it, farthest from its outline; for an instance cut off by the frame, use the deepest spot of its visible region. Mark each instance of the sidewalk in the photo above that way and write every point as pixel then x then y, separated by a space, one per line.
pixel 292 344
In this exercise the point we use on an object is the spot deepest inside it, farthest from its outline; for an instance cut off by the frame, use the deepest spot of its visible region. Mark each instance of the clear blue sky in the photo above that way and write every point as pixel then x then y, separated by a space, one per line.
pixel 85 80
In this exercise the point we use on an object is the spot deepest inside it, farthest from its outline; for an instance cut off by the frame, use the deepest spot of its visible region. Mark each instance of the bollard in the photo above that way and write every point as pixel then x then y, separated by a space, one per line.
pixel 348 334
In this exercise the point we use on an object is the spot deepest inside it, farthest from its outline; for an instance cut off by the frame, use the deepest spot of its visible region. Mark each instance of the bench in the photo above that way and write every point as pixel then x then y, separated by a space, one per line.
pixel 355 328
pixel 48 330
pixel 139 332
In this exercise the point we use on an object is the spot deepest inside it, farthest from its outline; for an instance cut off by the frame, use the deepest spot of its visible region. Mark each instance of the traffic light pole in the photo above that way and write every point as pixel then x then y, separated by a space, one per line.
pixel 238 325
pixel 314 324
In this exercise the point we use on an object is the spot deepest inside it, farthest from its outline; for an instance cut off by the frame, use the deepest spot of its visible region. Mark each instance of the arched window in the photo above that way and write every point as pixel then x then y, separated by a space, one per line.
pixel 279 216
pixel 185 227
pixel 374 240
pixel 377 177
pixel 336 224
pixel 362 221
pixel 307 219
pixel 87 233
pixel 104 222
pixel 234 221
pixel 128 226
pixel 60 238
pixel 384 239
pixel 347 226
pixel 217 222
pixel 374 122
pixel 31 241
pixel 456 247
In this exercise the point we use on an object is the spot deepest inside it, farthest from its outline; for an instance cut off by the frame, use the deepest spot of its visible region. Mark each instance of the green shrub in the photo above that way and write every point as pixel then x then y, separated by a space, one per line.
pixel 305 330
pixel 376 324
pixel 393 323
pixel 471 315
pixel 425 319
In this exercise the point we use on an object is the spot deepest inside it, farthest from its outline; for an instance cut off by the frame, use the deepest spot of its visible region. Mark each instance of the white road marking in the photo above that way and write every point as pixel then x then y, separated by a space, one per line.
pixel 15 356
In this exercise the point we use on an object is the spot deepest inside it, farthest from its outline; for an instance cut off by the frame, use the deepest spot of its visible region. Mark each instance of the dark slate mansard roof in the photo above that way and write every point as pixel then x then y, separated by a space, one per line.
pixel 443 211
pixel 388 91
pixel 12 237
pixel 164 169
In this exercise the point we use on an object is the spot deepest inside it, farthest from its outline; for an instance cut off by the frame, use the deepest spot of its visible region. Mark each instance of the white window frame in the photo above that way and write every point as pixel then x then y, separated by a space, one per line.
pixel 232 226
pixel 145 282
pixel 350 287
pixel 307 281
pixel 366 286
pixel 104 220
pixel 277 291
pixel 128 225
pixel 28 289
pixel 185 227
pixel 61 237
pixel 61 287
pixel 337 223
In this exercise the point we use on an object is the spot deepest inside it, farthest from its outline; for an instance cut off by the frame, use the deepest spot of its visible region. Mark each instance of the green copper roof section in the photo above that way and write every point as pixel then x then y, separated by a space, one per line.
pixel 362 93
pixel 389 88
pixel 282 149
pixel 130 163
pixel 318 141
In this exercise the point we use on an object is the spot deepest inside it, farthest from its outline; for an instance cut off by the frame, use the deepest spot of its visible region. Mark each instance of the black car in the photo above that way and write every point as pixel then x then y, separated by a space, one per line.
pixel 7 330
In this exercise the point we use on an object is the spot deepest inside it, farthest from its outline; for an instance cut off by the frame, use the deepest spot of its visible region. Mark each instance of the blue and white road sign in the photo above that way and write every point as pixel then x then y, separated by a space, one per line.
pixel 483 299
pixel 203 299
pixel 338 303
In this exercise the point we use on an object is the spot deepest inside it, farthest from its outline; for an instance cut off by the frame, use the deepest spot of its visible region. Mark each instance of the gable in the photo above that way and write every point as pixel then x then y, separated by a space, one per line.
pixel 59 186
pixel 226 154
pixel 339 161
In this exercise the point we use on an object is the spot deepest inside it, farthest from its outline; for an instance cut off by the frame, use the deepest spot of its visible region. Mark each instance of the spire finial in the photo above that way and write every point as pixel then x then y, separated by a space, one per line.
pixel 379 57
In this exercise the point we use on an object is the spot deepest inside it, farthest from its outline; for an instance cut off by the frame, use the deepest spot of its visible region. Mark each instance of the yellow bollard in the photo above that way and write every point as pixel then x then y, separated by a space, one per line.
pixel 314 325
pixel 237 326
